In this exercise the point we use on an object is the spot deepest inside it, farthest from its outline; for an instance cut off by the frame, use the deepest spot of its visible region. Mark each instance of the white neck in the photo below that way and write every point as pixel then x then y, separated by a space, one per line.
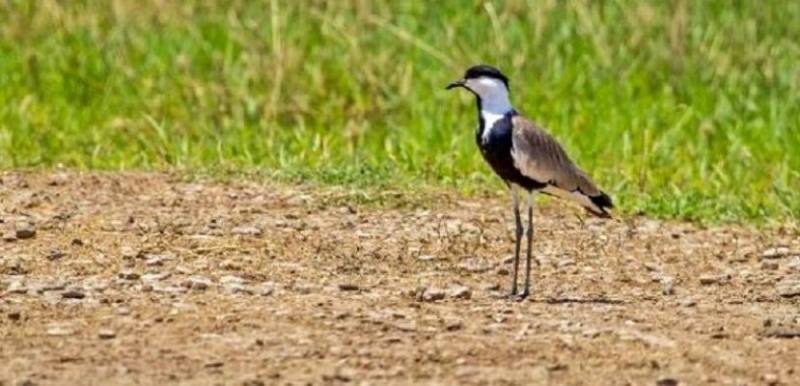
pixel 494 109
pixel 493 94
pixel 496 103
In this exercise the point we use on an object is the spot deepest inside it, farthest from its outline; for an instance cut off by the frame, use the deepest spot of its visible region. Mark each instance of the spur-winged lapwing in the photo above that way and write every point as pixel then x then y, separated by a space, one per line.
pixel 525 156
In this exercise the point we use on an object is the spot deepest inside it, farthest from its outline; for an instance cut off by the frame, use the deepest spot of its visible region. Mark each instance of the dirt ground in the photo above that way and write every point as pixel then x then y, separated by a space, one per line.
pixel 117 279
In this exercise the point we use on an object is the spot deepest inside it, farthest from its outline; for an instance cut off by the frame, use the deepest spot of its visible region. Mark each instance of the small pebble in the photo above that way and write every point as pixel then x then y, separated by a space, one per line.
pixel 467 372
pixel 73 293
pixel 57 286
pixel 265 289
pixel 406 326
pixel 14 316
pixel 54 254
pixel 590 333
pixel 454 325
pixel 304 289
pixel 128 275
pixel 566 263
pixel 341 375
pixel 667 381
pixel 769 265
pixel 775 253
pixel 127 253
pixel 230 265
pixel 789 288
pixel 17 287
pixel 238 288
pixel 492 328
pixel 348 287
pixel 668 285
pixel 719 333
pixel 214 364
pixel 687 302
pixel 393 339
pixel 170 289
pixel 342 315
pixel 347 209
pixel 106 334
pixel 474 265
pixel 712 279
pixel 246 231
pixel 123 311
pixel 59 331
pixel 433 294
pixel 649 226
pixel 771 379
pixel 155 261
pixel 77 242
pixel 231 279
pixel 503 271
pixel 198 283
pixel 25 232
pixel 460 292
pixel 652 267
pixel 183 270
pixel 154 277
pixel 375 317
pixel 492 287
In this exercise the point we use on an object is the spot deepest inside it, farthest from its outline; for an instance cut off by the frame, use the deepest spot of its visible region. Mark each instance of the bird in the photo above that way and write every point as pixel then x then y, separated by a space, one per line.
pixel 526 157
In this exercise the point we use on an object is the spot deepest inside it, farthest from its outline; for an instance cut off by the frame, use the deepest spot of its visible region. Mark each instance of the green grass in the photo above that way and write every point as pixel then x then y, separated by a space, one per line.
pixel 680 109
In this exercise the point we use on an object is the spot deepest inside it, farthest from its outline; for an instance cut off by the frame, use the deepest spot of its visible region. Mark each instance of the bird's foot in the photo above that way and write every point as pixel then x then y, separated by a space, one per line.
pixel 514 295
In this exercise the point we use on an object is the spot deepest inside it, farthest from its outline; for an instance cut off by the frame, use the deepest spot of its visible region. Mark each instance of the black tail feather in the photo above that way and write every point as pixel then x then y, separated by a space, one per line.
pixel 603 201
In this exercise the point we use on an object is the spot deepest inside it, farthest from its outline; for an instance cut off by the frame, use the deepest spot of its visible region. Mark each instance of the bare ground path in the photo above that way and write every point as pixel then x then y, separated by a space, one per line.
pixel 110 279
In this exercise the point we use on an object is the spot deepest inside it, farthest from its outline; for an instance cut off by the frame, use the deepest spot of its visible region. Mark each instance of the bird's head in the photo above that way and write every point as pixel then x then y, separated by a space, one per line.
pixel 484 81
pixel 488 84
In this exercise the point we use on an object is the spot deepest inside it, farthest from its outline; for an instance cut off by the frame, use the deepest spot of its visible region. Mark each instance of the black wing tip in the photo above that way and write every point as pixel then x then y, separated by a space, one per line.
pixel 603 202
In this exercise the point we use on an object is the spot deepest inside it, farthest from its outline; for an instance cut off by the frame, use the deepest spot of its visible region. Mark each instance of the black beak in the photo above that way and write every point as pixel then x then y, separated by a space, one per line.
pixel 458 83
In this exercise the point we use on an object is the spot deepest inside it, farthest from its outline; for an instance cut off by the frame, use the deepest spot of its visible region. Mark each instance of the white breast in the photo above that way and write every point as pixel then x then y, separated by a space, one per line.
pixel 489 119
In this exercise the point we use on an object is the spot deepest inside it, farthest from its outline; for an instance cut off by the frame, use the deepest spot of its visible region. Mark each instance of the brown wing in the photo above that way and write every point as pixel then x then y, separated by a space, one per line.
pixel 540 157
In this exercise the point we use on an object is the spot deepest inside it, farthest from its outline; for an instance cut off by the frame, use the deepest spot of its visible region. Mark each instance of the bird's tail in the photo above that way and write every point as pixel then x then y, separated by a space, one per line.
pixel 598 205
pixel 601 205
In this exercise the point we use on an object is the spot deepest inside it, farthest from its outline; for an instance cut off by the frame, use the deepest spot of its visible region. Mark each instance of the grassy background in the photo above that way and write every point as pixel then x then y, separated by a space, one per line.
pixel 680 109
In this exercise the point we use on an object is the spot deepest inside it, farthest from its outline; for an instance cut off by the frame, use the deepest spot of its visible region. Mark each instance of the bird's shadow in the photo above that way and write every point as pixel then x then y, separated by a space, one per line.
pixel 572 300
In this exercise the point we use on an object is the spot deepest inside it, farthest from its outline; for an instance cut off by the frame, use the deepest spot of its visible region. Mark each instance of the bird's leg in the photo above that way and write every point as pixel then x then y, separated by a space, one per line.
pixel 517 237
pixel 527 289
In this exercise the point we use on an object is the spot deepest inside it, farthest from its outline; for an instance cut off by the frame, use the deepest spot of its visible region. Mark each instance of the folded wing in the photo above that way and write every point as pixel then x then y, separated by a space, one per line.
pixel 538 156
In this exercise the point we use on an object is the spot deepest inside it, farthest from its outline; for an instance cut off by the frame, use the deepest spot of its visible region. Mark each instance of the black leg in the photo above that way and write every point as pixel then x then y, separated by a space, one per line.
pixel 517 238
pixel 527 289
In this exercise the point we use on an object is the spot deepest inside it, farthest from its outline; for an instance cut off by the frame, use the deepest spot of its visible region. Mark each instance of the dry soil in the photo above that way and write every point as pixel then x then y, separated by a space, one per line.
pixel 117 279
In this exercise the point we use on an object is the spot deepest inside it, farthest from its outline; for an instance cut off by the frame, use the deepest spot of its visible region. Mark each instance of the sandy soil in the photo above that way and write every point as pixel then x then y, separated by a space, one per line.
pixel 115 279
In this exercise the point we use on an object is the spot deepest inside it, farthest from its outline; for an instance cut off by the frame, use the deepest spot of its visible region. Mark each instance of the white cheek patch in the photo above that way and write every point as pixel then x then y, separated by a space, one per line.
pixel 485 86
pixel 493 95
